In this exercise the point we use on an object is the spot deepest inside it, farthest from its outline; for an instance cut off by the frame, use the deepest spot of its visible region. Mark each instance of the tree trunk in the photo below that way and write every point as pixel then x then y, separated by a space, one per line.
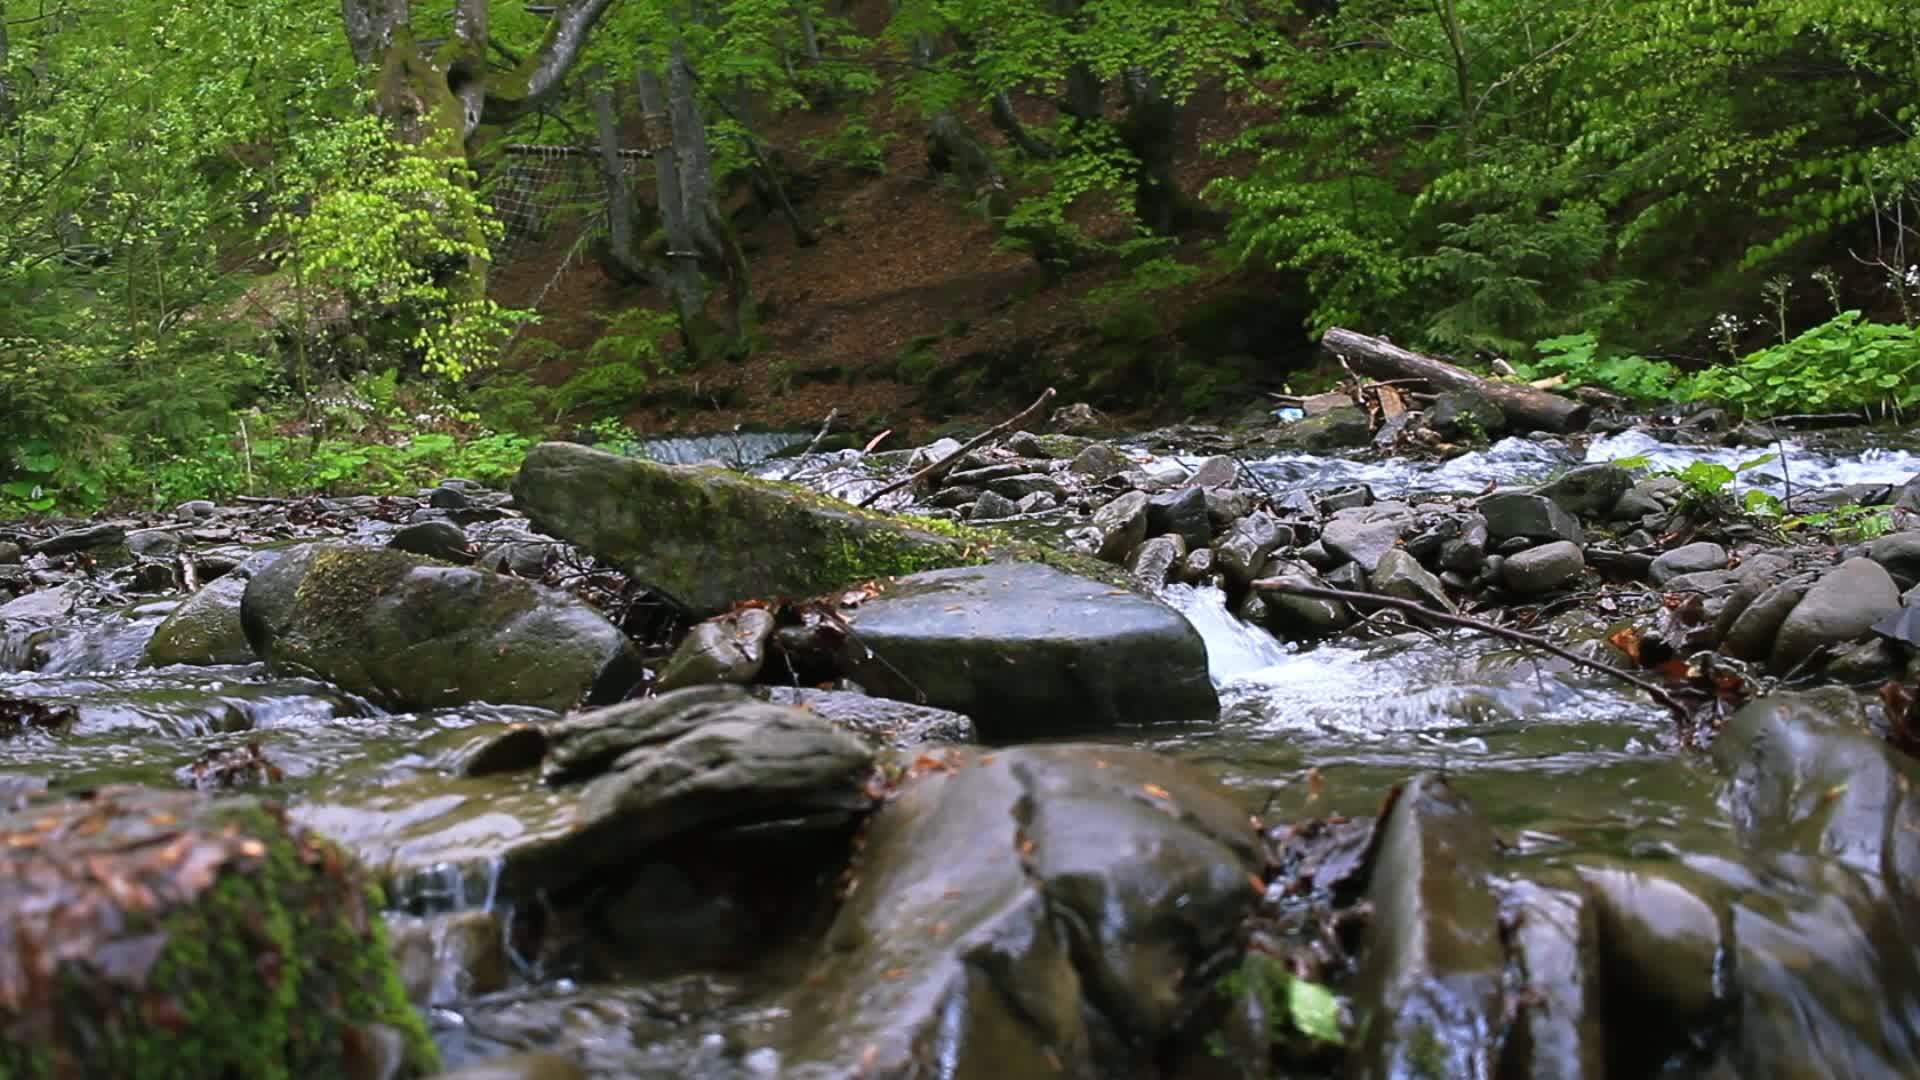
pixel 1149 131
pixel 1525 407
pixel 620 239
pixel 684 285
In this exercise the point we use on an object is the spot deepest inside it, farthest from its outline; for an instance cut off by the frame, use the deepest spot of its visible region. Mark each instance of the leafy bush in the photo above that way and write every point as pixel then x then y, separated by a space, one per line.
pixel 1580 358
pixel 1844 363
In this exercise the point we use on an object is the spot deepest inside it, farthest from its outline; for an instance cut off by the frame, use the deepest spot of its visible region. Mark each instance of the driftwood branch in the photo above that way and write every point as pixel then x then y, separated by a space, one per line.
pixel 945 465
pixel 1526 406
pixel 1320 592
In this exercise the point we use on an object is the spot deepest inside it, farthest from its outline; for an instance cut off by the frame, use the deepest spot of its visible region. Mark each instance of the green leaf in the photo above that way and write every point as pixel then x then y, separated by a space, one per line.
pixel 1315 1011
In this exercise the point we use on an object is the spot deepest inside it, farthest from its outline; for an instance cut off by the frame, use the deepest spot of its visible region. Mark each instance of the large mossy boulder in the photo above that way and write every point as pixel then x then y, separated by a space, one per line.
pixel 148 935
pixel 411 633
pixel 708 537
pixel 1041 911
pixel 1027 650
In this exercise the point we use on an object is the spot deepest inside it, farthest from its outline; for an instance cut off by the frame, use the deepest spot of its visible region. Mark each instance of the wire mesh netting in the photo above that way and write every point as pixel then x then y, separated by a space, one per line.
pixel 544 191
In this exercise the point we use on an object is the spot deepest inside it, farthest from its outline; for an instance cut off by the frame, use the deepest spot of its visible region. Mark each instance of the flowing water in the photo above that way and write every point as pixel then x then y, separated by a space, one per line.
pixel 1558 758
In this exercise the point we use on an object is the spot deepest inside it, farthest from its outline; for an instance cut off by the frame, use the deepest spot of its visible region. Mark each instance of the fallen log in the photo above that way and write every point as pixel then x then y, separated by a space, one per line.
pixel 1526 407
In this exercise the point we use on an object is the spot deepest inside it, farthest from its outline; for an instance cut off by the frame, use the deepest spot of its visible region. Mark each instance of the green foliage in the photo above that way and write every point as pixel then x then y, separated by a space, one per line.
pixel 1708 485
pixel 854 145
pixel 1850 524
pixel 1580 358
pixel 1297 1009
pixel 1844 363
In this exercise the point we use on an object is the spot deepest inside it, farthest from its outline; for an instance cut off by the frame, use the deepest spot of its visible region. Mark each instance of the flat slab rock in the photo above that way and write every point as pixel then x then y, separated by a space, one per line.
pixel 1028 650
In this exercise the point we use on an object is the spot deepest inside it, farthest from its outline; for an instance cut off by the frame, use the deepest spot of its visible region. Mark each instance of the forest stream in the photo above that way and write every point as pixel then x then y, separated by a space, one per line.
pixel 1587 783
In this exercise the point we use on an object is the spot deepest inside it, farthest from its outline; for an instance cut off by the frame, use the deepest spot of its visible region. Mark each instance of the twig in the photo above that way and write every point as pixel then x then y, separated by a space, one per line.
pixel 940 468
pixel 825 426
pixel 1657 693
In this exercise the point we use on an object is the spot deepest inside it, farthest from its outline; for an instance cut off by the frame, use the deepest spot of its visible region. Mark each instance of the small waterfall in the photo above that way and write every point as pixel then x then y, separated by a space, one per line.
pixel 1235 649
pixel 738 449
pixel 1808 469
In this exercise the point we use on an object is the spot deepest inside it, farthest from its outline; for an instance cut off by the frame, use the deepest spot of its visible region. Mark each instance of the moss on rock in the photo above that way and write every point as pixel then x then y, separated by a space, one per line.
pixel 709 537
pixel 161 934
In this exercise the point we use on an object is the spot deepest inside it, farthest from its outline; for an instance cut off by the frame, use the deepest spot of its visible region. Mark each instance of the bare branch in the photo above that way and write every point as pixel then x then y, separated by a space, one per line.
pixel 945 465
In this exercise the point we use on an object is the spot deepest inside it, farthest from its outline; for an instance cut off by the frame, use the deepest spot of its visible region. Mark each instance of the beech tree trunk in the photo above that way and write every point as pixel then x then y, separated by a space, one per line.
pixel 1524 406
pixel 439 100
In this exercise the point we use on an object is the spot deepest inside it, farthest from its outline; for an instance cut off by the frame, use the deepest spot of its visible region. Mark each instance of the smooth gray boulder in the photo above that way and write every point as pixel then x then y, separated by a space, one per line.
pixel 1362 534
pixel 1544 568
pixel 1900 554
pixel 1537 518
pixel 1401 575
pixel 1247 545
pixel 1025 650
pixel 1695 558
pixel 1842 605
pixel 1122 525
pixel 1183 513
pixel 728 648
pixel 1589 490
pixel 413 634
pixel 206 628
pixel 1039 911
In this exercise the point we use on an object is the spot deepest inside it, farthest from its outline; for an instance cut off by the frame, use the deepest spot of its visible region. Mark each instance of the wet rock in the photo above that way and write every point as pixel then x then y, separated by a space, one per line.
pixel 207 937
pixel 728 648
pixel 1100 461
pixel 1042 911
pixel 1350 497
pixel 1122 524
pixel 1294 618
pixel 1589 490
pixel 1521 514
pixel 708 537
pixel 1900 554
pixel 1401 575
pixel 1663 944
pixel 1695 558
pixel 1654 496
pixel 992 506
pixel 1339 428
pixel 1078 416
pixel 449 498
pixel 681 762
pixel 1428 992
pixel 434 539
pixel 1217 471
pixel 1317 556
pixel 1025 484
pixel 1196 567
pixel 522 558
pixel 206 628
pixel 885 721
pixel 1226 506
pixel 1842 605
pixel 1544 568
pixel 1869 662
pixel 195 509
pixel 1037 502
pixel 1025 649
pixel 1182 513
pixel 1463 414
pixel 1155 476
pixel 10 553
pixel 1465 553
pixel 89 538
pixel 1349 576
pixel 1751 634
pixel 1554 935
pixel 154 543
pixel 1247 545
pixel 1363 534
pixel 957 496
pixel 388 625
pixel 1152 563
